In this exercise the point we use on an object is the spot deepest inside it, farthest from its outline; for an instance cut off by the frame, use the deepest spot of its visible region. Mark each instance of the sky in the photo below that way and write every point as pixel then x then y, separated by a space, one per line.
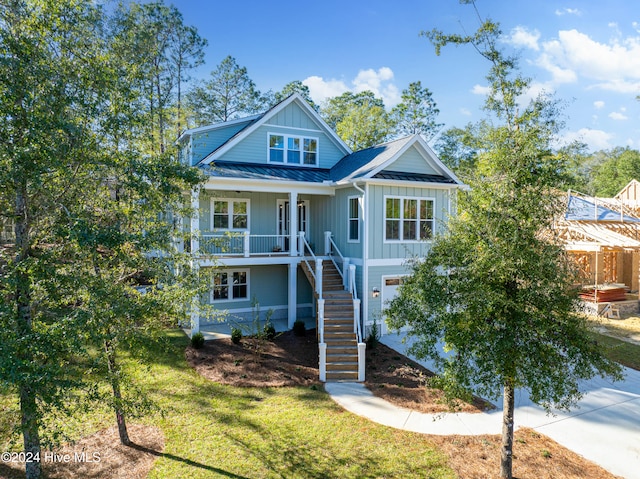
pixel 584 52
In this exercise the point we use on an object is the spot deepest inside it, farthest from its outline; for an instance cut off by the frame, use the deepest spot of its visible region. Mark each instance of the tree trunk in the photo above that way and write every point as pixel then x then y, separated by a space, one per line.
pixel 28 406
pixel 117 395
pixel 30 432
pixel 506 452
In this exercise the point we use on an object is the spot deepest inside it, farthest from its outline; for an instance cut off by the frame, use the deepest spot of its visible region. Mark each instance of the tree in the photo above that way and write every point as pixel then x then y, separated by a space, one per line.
pixel 416 113
pixel 359 119
pixel 458 149
pixel 229 93
pixel 52 85
pixel 84 193
pixel 620 166
pixel 162 49
pixel 295 86
pixel 493 289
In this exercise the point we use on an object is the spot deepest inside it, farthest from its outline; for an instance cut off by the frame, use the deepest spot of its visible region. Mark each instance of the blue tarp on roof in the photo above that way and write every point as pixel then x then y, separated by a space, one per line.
pixel 580 209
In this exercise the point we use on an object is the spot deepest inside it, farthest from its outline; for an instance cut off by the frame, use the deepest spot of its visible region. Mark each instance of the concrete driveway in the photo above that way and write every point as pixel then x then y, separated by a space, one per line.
pixel 604 427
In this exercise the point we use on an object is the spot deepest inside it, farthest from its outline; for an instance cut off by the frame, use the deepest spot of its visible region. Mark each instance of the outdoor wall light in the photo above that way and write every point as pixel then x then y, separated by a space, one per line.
pixel 375 292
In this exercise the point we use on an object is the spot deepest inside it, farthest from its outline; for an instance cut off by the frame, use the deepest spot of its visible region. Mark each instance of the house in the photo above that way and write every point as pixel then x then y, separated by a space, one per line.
pixel 290 217
pixel 602 235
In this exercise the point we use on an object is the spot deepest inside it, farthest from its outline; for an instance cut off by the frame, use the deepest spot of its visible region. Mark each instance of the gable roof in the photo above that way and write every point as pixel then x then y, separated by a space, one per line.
pixel 370 163
pixel 262 119
pixel 217 126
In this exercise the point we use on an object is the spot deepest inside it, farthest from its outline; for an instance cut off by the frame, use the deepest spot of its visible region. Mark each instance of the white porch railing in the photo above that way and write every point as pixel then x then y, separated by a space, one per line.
pixel 243 244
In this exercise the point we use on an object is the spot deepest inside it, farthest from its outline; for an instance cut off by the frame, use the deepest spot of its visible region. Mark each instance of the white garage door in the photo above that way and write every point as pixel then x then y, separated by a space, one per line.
pixel 390 286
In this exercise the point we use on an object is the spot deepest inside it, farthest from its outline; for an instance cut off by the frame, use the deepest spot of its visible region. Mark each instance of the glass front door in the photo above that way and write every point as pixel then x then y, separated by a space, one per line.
pixel 284 222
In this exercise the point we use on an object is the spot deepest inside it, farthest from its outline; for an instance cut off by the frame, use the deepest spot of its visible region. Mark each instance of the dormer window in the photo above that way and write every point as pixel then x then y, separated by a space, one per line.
pixel 293 150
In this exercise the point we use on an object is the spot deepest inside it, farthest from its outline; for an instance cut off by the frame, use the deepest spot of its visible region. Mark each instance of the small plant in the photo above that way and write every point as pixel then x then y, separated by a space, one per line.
pixel 374 334
pixel 197 340
pixel 546 454
pixel 236 335
pixel 269 330
pixel 299 328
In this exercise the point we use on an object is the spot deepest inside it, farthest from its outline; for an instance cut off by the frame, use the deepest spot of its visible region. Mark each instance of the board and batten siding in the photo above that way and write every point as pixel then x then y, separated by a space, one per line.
pixel 412 162
pixel 378 248
pixel 332 215
pixel 374 278
pixel 268 286
pixel 263 209
pixel 204 143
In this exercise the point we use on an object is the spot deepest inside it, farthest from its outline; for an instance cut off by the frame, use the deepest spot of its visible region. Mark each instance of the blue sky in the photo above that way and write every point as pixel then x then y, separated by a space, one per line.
pixel 587 52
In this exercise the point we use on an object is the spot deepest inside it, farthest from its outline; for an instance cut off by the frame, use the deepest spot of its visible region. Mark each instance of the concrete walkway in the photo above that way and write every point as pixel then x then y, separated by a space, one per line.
pixel 604 427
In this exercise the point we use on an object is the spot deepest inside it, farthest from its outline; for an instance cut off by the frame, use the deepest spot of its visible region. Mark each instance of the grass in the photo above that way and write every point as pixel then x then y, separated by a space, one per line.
pixel 620 339
pixel 623 352
pixel 212 430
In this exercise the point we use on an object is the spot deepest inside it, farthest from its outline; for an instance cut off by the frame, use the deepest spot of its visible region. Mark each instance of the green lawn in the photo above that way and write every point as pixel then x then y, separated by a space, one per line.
pixel 620 351
pixel 213 430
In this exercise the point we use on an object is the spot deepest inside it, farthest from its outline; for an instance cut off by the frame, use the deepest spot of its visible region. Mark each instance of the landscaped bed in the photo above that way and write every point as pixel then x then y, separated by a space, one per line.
pixel 213 430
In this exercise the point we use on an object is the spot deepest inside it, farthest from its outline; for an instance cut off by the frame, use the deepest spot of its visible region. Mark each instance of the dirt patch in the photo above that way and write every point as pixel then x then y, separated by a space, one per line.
pixel 100 455
pixel 627 328
pixel 534 457
pixel 288 360
pixel 401 381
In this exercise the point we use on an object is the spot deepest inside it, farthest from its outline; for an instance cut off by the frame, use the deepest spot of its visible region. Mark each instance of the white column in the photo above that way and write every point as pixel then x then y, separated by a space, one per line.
pixel 292 295
pixel 195 305
pixel 327 243
pixel 195 221
pixel 293 223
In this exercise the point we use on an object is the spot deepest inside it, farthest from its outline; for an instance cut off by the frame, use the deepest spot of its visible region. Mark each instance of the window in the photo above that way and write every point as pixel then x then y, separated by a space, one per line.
pixel 230 285
pixel 293 150
pixel 354 219
pixel 229 214
pixel 408 219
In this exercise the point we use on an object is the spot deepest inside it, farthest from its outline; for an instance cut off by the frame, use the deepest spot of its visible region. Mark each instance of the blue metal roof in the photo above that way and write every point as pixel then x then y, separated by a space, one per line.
pixel 404 176
pixel 256 171
pixel 580 209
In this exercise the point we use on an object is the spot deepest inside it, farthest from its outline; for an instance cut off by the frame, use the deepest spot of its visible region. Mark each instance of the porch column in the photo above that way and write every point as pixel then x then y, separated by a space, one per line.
pixel 292 295
pixel 293 223
pixel 195 221
pixel 195 304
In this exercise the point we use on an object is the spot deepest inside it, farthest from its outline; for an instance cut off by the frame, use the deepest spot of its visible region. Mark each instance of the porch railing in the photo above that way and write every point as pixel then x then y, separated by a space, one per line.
pixel 243 244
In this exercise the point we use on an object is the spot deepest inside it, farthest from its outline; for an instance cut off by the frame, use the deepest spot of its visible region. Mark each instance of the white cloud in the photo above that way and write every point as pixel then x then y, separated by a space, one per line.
pixel 595 139
pixel 321 89
pixel 598 104
pixel 465 111
pixel 380 82
pixel 616 115
pixel 522 37
pixel 480 90
pixel 568 11
pixel 614 65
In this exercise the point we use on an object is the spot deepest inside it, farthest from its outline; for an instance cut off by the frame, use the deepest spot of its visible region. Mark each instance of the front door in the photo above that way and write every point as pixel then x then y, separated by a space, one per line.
pixel 284 221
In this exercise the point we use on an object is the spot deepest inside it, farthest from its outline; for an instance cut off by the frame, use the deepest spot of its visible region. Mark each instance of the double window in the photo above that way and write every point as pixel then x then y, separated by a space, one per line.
pixel 231 214
pixel 230 285
pixel 294 150
pixel 408 219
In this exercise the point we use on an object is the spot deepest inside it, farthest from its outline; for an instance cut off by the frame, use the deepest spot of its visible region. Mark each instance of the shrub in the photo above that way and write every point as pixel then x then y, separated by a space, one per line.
pixel 299 328
pixel 236 335
pixel 269 331
pixel 374 335
pixel 197 340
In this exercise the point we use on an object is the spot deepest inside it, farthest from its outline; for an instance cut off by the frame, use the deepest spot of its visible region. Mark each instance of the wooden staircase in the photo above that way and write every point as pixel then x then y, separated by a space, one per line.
pixel 342 346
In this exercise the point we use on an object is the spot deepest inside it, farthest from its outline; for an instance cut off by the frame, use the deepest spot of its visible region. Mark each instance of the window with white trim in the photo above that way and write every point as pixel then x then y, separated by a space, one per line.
pixel 354 219
pixel 230 285
pixel 294 150
pixel 229 214
pixel 408 219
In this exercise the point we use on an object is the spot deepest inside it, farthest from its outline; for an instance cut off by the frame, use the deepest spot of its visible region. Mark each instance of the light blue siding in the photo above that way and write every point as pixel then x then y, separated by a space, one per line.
pixel 412 162
pixel 333 216
pixel 204 143
pixel 268 287
pixel 378 248
pixel 374 276
pixel 295 117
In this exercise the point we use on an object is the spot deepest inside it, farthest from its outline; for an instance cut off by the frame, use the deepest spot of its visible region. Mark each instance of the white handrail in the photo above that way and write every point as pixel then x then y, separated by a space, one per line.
pixel 304 256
